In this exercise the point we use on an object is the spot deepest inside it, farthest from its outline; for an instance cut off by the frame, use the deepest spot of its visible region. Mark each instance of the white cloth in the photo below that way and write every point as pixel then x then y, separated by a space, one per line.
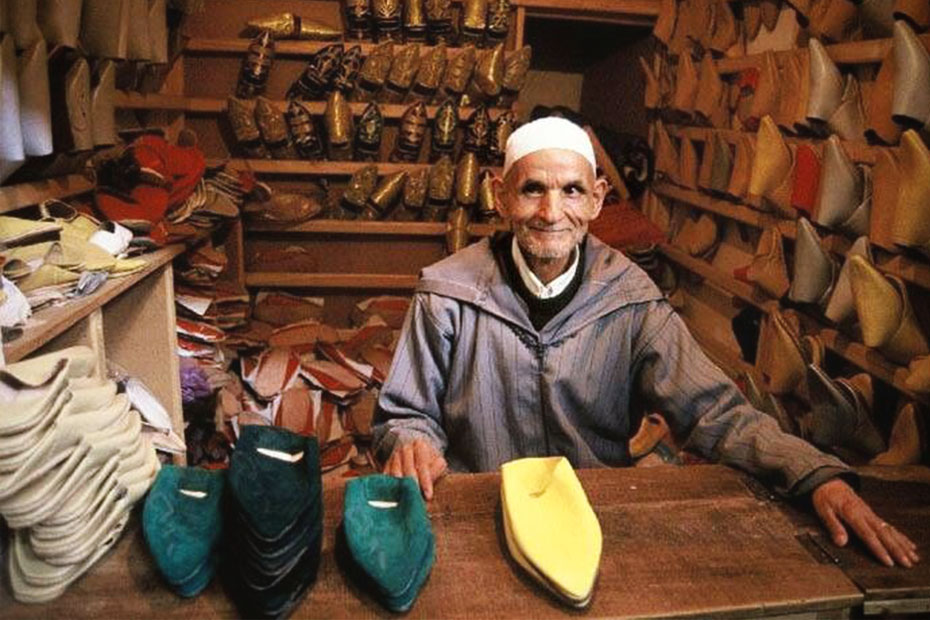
pixel 534 284
pixel 551 132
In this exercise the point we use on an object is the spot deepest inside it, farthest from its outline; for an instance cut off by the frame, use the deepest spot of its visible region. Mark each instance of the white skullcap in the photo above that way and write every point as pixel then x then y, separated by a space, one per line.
pixel 550 132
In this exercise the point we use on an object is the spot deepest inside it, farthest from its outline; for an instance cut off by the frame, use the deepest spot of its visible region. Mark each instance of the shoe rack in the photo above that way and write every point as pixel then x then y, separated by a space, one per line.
pixel 345 261
pixel 129 321
pixel 712 291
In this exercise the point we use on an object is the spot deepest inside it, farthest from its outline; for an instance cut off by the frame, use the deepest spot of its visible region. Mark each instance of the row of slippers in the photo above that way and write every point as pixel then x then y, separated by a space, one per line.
pixel 854 293
pixel 472 76
pixel 776 25
pixel 840 416
pixel 263 130
pixel 804 92
pixel 819 180
pixel 74 461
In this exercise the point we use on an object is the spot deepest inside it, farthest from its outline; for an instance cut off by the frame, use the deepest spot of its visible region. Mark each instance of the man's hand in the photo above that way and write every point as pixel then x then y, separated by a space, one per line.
pixel 419 460
pixel 836 503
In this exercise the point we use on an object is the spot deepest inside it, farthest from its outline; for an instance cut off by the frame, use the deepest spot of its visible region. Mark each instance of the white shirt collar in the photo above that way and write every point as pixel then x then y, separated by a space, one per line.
pixel 534 284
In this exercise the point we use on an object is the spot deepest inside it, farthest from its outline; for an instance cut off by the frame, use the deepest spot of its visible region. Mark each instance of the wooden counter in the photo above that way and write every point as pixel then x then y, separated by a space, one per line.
pixel 679 542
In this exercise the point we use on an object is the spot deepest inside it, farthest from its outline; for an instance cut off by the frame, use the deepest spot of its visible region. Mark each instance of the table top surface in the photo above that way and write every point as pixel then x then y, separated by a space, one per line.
pixel 678 541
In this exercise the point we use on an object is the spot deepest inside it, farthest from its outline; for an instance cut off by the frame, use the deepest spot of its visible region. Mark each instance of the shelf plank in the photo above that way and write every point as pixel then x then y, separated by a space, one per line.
pixel 46 324
pixel 14 197
pixel 849 53
pixel 625 7
pixel 204 105
pixel 355 227
pixel 856 353
pixel 206 46
pixel 909 270
pixel 335 168
pixel 332 280
pixel 859 152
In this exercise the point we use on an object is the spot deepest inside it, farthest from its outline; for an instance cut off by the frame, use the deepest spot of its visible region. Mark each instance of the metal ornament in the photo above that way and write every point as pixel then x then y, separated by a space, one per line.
pixel 487 211
pixel 457 230
pixel 498 21
pixel 361 185
pixel 430 74
pixel 489 73
pixel 303 131
pixel 414 20
pixel 347 74
pixel 473 21
pixel 403 70
pixel 358 19
pixel 458 72
pixel 291 26
pixel 445 123
pixel 414 196
pixel 477 131
pixel 273 128
pixel 441 185
pixel 384 196
pixel 387 19
pixel 339 126
pixel 501 128
pixel 241 113
pixel 256 66
pixel 412 132
pixel 374 72
pixel 516 68
pixel 439 21
pixel 466 180
pixel 368 134
pixel 316 79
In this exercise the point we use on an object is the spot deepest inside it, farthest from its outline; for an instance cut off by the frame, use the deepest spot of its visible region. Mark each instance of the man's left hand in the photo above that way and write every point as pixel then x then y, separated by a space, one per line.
pixel 837 504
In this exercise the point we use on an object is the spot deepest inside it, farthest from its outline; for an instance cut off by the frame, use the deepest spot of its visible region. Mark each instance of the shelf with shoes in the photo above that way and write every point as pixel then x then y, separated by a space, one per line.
pixel 204 46
pixel 205 105
pixel 359 281
pixel 13 197
pixel 355 227
pixel 908 269
pixel 327 168
pixel 854 352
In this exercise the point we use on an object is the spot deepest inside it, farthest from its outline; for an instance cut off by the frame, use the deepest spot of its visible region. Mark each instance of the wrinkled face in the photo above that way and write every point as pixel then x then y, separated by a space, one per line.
pixel 550 196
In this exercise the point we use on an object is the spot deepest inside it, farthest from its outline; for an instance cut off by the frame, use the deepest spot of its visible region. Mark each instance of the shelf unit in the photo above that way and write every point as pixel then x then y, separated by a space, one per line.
pixel 14 197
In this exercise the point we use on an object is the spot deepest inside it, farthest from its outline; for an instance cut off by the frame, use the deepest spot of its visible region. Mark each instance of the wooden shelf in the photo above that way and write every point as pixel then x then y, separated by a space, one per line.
pixel 334 168
pixel 204 105
pixel 46 324
pixel 332 280
pixel 856 353
pixel 913 271
pixel 14 197
pixel 354 227
pixel 859 152
pixel 850 53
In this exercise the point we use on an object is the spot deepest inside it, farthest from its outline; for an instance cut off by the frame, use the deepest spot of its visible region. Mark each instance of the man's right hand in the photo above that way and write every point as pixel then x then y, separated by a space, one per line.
pixel 419 460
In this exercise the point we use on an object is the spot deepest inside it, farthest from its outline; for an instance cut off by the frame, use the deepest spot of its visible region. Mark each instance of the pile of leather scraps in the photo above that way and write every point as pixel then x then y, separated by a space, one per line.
pixel 53 252
pixel 312 378
pixel 206 307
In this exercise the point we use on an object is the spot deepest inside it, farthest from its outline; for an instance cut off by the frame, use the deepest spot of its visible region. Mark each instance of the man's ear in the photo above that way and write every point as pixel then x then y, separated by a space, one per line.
pixel 598 194
pixel 497 186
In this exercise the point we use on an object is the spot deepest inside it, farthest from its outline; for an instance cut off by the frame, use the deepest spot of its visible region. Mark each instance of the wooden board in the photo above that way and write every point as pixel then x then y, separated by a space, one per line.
pixel 679 542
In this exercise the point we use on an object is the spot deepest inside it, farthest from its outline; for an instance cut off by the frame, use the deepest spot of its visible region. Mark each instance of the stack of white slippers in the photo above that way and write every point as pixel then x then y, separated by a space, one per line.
pixel 73 462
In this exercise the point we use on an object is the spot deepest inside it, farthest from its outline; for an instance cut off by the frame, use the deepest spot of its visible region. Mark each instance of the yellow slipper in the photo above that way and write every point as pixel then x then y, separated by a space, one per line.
pixel 550 527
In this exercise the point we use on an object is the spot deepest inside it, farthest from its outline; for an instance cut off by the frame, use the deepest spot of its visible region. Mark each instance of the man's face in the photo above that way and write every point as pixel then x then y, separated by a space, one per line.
pixel 550 196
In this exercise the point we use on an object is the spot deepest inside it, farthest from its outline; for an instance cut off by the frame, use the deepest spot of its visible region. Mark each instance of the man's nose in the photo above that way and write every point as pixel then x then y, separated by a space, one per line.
pixel 550 206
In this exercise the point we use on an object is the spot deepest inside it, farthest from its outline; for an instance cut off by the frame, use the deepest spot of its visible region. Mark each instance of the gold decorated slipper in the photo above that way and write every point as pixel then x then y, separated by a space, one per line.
pixel 768 269
pixel 815 269
pixel 550 528
pixel 840 306
pixel 291 26
pixel 911 223
pixel 885 314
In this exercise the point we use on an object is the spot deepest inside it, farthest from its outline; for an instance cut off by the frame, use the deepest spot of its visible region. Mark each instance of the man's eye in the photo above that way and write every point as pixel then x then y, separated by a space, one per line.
pixel 532 189
pixel 574 190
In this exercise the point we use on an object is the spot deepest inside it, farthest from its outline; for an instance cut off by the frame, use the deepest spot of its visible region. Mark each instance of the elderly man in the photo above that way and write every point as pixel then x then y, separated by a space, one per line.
pixel 544 341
